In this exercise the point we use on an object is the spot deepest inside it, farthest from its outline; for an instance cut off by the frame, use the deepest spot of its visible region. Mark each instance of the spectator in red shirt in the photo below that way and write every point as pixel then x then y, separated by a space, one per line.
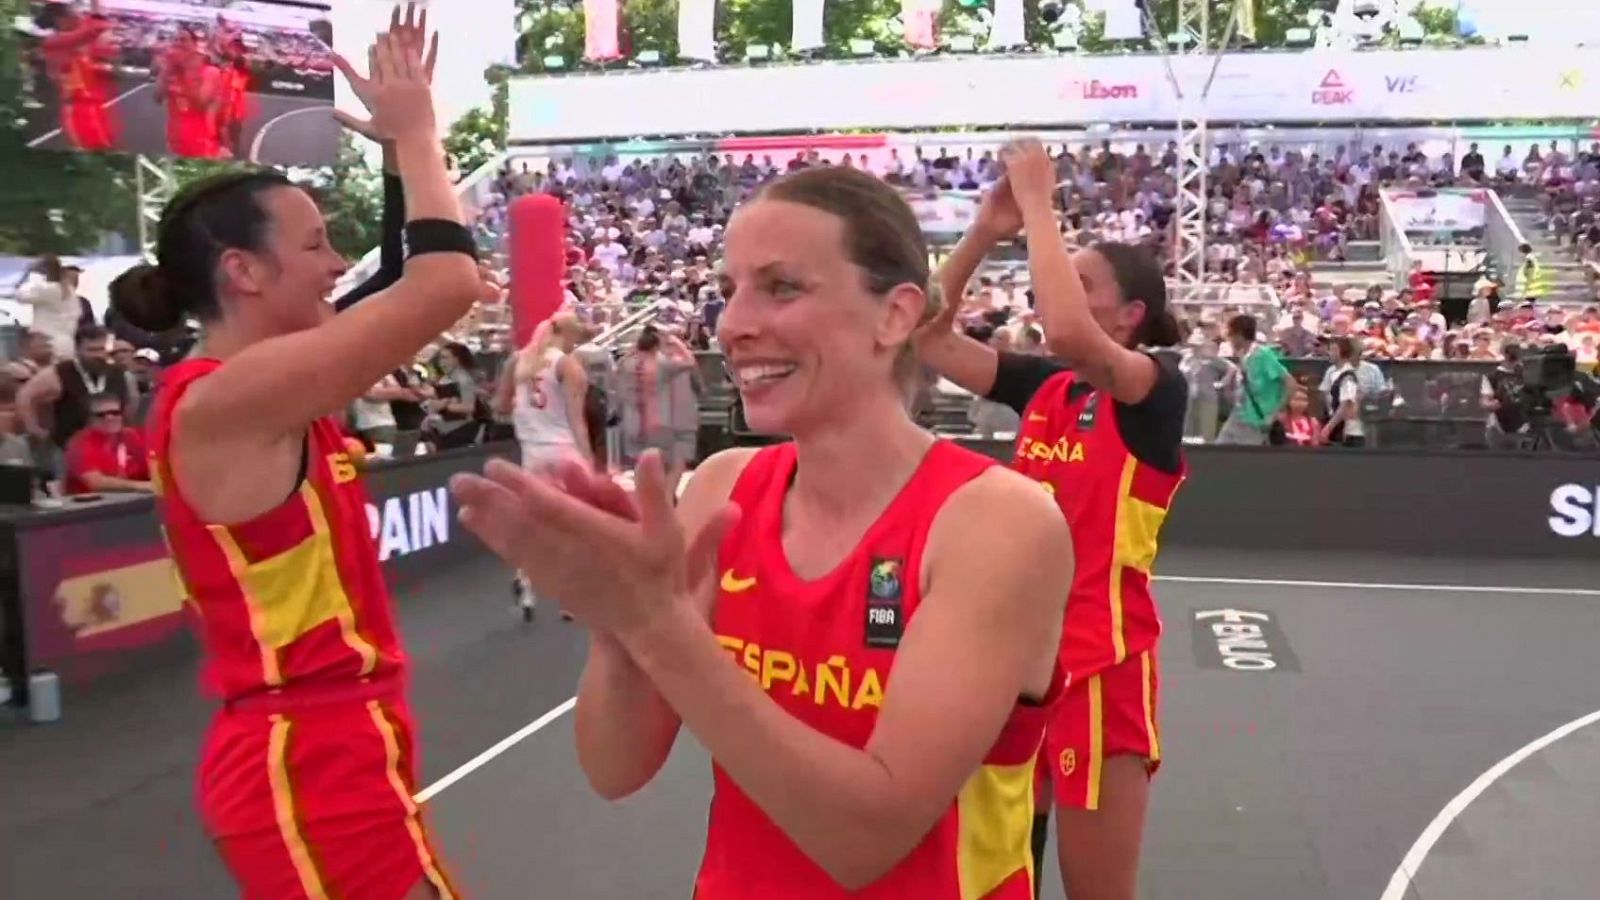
pixel 107 456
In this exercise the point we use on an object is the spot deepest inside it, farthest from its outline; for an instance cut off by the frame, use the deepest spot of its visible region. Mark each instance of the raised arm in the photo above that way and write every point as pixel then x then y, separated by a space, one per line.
pixel 969 363
pixel 276 387
pixel 1070 329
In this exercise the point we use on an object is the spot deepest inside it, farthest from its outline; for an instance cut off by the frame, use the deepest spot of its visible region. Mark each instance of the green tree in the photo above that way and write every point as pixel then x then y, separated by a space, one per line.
pixel 1438 21
pixel 476 137
pixel 351 197
pixel 52 202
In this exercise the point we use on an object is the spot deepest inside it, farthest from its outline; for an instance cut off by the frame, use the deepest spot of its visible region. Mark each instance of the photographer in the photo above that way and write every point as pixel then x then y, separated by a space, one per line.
pixel 1540 401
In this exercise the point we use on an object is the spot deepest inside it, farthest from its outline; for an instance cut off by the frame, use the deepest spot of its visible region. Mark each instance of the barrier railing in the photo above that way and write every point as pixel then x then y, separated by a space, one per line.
pixel 1501 238
pixel 1392 240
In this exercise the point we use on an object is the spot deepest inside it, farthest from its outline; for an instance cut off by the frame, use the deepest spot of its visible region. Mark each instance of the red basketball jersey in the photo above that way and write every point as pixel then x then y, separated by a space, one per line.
pixel 823 650
pixel 295 596
pixel 1069 441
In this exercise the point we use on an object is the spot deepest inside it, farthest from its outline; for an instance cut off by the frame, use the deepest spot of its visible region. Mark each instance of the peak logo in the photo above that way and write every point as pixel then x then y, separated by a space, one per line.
pixel 1332 91
pixel 1095 89
pixel 1401 84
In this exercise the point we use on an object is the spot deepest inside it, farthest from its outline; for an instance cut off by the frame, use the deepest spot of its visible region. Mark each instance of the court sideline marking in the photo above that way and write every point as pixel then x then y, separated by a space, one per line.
pixel 261 136
pixel 34 144
pixel 1400 882
pixel 517 737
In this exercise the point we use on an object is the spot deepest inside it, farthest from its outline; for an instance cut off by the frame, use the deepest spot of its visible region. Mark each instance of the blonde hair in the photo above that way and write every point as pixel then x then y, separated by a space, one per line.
pixel 534 358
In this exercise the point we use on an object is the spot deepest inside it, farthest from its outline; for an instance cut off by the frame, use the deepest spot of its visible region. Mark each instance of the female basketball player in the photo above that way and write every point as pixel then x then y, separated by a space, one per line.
pixel 1105 438
pixel 543 392
pixel 309 768
pixel 864 544
pixel 78 60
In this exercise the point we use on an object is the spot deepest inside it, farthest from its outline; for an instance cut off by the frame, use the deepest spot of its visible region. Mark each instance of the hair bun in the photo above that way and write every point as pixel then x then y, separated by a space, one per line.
pixel 142 296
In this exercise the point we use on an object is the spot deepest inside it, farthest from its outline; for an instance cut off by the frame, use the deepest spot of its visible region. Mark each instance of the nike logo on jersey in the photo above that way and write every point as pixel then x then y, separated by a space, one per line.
pixel 732 584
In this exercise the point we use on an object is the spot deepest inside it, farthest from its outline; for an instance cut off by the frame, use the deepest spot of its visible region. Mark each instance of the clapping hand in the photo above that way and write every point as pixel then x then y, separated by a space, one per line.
pixel 618 562
pixel 1030 173
pixel 405 41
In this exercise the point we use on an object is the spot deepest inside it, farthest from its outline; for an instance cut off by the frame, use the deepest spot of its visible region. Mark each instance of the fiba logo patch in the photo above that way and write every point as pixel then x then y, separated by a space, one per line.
pixel 885 579
pixel 1068 762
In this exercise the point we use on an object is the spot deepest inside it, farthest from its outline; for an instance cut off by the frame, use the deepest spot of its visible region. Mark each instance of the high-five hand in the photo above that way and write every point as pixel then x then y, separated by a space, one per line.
pixel 1030 173
pixel 412 33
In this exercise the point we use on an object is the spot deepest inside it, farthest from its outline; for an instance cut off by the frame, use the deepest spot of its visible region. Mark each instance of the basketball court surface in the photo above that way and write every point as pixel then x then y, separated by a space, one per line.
pixel 1334 728
pixel 281 131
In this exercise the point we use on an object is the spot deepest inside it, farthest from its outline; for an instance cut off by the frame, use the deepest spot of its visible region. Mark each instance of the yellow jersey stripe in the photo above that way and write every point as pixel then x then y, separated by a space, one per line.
pixel 1119 643
pixel 237 564
pixel 1097 738
pixel 283 808
pixel 419 841
pixel 1148 683
pixel 342 610
pixel 994 821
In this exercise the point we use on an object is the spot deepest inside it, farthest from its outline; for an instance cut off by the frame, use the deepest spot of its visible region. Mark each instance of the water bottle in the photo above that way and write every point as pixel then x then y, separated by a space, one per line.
pixel 44 697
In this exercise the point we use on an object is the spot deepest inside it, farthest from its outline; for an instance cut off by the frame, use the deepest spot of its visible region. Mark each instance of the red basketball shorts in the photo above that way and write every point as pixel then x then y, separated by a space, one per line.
pixel 314 803
pixel 88 126
pixel 1109 714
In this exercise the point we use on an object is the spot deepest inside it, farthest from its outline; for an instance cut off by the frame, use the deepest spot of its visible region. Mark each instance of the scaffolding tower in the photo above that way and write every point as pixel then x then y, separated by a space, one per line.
pixel 156 184
pixel 1192 42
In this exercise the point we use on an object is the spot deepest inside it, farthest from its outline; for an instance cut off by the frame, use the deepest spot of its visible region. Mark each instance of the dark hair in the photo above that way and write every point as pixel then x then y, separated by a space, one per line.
pixel 1346 346
pixel 90 334
pixel 50 267
pixel 1139 277
pixel 1242 326
pixel 49 18
pixel 104 397
pixel 207 219
pixel 649 338
pixel 463 356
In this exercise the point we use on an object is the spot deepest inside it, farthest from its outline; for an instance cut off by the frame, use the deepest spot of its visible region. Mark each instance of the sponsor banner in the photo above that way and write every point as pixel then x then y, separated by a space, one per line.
pixel 1471 85
pixel 1470 505
pixel 1439 210
pixel 96 585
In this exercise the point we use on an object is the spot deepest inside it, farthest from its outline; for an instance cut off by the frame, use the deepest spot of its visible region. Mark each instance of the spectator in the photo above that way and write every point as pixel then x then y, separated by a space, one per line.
pixel 656 396
pixel 52 291
pixel 36 354
pixel 54 405
pixel 1344 426
pixel 457 410
pixel 1300 428
pixel 1262 386
pixel 107 456
pixel 14 449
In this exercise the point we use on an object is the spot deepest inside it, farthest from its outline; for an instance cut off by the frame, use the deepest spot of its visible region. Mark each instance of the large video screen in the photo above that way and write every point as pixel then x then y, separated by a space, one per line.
pixel 199 79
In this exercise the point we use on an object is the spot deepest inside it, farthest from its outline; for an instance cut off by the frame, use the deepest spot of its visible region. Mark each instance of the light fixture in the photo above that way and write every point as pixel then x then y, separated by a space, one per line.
pixel 863 47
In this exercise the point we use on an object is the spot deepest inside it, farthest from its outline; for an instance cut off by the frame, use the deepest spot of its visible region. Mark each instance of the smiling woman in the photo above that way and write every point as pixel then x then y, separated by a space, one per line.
pixel 865 544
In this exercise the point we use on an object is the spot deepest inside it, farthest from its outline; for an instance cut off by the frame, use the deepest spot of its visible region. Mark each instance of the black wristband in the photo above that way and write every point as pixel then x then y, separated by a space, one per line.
pixel 437 236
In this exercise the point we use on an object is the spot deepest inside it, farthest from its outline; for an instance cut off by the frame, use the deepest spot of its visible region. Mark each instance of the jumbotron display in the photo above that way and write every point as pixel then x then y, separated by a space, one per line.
pixel 198 79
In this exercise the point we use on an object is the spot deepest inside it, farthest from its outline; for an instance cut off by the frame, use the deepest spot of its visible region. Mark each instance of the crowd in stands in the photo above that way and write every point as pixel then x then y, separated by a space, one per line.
pixel 648 232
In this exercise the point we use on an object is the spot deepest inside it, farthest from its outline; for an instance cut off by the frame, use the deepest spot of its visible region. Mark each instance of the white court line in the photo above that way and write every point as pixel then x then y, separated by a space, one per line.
pixel 34 144
pixel 255 145
pixel 1384 586
pixel 1400 883
pixel 489 755
pixel 484 758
